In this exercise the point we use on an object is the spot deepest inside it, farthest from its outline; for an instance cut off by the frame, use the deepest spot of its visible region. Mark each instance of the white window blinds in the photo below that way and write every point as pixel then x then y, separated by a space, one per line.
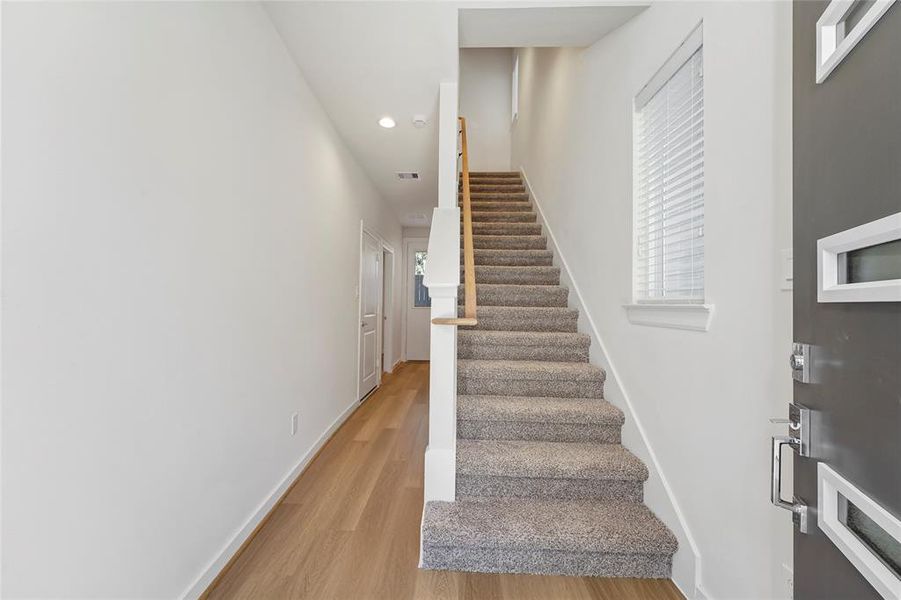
pixel 669 181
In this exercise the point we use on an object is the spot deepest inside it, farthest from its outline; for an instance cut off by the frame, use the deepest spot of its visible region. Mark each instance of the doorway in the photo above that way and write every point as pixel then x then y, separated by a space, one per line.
pixel 417 304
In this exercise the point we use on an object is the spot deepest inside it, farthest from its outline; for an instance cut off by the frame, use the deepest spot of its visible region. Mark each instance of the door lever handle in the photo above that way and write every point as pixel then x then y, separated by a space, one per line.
pixel 798 509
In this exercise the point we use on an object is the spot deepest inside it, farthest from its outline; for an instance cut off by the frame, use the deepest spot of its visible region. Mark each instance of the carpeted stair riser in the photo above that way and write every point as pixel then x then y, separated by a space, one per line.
pixel 504 228
pixel 522 345
pixel 525 318
pixel 488 486
pixel 507 242
pixel 512 258
pixel 503 217
pixel 542 432
pixel 489 294
pixel 519 387
pixel 546 562
pixel 516 275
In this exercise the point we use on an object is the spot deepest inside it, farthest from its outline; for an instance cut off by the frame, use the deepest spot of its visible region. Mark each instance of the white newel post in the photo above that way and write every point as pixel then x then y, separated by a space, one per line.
pixel 442 277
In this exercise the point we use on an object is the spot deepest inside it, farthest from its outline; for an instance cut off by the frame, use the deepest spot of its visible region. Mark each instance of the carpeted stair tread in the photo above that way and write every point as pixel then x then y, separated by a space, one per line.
pixel 529 378
pixel 483 228
pixel 522 345
pixel 547 524
pixel 526 318
pixel 510 188
pixel 495 196
pixel 511 258
pixel 527 409
pixel 486 206
pixel 494 180
pixel 548 460
pixel 507 242
pixel 519 275
pixel 496 216
pixel 498 294
pixel 529 370
pixel 481 174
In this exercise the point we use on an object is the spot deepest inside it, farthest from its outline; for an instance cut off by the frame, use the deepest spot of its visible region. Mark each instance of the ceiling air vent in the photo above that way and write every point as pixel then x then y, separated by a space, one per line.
pixel 408 175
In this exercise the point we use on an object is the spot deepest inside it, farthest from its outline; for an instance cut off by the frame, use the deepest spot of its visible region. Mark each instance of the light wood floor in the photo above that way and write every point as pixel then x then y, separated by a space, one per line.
pixel 349 528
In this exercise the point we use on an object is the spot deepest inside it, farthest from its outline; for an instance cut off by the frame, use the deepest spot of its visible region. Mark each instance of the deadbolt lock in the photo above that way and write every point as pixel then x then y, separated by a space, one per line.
pixel 799 361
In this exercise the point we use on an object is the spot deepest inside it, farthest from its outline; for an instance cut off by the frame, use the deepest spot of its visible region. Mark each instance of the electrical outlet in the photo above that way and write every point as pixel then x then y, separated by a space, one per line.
pixel 294 419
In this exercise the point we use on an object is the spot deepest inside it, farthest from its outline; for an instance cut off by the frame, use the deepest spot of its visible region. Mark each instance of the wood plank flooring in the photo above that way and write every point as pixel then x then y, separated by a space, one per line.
pixel 349 528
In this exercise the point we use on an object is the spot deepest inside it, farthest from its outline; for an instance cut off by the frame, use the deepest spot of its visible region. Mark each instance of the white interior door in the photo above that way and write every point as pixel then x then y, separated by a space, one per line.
pixel 370 313
pixel 417 302
pixel 388 318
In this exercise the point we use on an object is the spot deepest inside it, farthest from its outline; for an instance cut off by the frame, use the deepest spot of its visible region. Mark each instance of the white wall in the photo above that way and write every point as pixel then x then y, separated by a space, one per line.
pixel 703 399
pixel 180 250
pixel 485 100
pixel 416 232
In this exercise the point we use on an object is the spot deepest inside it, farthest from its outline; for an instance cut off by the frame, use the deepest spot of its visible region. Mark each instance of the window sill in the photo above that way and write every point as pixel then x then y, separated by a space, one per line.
pixel 693 317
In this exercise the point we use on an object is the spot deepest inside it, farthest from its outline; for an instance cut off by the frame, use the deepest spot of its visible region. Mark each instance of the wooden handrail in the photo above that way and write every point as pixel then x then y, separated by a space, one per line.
pixel 469 263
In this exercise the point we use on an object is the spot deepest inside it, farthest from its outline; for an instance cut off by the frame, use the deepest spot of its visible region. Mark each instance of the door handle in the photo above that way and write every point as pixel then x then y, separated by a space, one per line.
pixel 798 509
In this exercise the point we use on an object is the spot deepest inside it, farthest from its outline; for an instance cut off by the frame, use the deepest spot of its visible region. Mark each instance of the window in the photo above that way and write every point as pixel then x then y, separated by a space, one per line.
pixel 841 27
pixel 669 180
pixel 421 297
pixel 514 92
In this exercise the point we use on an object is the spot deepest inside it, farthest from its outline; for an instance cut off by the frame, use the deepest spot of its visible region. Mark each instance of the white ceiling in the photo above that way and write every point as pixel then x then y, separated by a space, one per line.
pixel 365 60
pixel 542 26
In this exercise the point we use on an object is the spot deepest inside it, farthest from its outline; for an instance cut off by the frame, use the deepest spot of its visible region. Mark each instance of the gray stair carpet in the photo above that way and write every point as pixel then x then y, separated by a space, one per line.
pixel 543 484
pixel 525 318
pixel 512 258
pixel 517 274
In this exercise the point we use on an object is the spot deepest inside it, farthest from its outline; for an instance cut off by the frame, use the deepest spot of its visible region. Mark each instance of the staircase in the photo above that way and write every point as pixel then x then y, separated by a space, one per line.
pixel 543 484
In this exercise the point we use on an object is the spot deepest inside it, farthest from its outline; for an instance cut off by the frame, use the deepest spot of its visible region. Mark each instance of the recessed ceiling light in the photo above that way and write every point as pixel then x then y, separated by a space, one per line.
pixel 387 122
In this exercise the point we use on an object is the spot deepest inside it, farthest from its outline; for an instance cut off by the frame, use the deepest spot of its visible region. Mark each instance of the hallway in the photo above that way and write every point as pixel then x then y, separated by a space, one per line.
pixel 349 528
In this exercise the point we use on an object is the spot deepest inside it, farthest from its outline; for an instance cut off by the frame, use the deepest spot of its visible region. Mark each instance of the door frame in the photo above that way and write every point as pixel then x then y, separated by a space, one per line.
pixel 383 311
pixel 388 293
pixel 407 289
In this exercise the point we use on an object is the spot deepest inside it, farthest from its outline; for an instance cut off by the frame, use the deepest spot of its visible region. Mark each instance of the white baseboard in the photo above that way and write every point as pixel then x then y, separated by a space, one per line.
pixel 691 581
pixel 234 544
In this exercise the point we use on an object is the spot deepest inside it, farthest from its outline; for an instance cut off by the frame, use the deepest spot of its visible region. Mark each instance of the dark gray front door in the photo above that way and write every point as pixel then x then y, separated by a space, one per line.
pixel 847 172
